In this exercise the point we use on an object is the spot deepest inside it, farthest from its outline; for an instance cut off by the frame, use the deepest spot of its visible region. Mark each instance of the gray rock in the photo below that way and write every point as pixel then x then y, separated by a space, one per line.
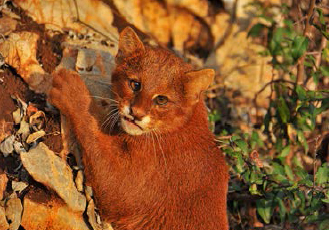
pixel 49 169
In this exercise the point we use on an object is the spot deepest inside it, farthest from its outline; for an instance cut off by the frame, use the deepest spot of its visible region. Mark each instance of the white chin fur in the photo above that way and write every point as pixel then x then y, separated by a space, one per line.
pixel 130 128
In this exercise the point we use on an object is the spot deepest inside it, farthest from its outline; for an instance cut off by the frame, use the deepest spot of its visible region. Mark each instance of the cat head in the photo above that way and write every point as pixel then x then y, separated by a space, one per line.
pixel 156 91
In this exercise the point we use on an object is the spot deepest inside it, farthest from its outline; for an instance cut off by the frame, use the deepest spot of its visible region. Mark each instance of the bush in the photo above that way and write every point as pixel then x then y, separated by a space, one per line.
pixel 267 170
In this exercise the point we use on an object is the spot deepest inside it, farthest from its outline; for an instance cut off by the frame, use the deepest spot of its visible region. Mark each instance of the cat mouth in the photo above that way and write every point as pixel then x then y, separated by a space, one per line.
pixel 131 122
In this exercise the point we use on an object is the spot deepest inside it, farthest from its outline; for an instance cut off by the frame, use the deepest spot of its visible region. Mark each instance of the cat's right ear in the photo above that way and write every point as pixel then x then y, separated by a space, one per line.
pixel 129 43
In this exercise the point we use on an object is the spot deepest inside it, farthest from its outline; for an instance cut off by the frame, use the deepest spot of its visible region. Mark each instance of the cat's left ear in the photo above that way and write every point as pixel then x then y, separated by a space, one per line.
pixel 197 82
pixel 129 43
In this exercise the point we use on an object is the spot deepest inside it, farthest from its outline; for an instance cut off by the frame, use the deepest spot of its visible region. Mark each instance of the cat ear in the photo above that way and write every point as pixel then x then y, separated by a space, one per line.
pixel 129 43
pixel 198 81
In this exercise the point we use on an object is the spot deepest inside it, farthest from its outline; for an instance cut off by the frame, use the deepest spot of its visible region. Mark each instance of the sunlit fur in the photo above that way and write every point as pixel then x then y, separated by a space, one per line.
pixel 157 76
pixel 169 175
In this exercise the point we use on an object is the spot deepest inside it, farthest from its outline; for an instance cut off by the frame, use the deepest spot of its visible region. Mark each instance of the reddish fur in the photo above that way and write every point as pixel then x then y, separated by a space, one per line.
pixel 176 181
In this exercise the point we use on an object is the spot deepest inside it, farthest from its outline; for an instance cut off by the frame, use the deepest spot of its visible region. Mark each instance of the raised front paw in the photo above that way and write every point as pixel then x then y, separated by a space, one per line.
pixel 69 93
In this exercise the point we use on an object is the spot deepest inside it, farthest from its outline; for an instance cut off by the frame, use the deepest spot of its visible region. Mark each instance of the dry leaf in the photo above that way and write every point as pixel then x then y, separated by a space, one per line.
pixel 17 116
pixel 37 120
pixel 24 129
pixel 79 181
pixel 14 210
pixel 18 186
pixel 7 145
pixel 35 136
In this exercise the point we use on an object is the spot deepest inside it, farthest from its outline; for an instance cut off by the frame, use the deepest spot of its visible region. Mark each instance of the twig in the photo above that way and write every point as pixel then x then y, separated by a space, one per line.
pixel 314 158
pixel 300 66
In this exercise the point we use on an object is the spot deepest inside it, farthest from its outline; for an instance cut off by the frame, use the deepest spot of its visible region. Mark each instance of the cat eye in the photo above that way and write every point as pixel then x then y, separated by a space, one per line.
pixel 161 100
pixel 135 85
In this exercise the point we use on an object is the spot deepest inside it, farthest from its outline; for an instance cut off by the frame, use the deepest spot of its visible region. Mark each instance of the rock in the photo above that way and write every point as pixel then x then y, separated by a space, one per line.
pixel 14 210
pixel 20 51
pixel 174 21
pixel 57 15
pixel 47 168
pixel 3 221
pixel 198 7
pixel 3 184
pixel 43 211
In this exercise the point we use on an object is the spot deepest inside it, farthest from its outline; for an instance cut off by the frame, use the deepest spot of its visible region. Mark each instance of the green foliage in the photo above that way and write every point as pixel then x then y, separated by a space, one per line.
pixel 279 185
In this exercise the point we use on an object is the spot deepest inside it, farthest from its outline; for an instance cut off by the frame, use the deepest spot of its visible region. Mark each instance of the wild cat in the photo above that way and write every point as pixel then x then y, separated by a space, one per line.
pixel 163 169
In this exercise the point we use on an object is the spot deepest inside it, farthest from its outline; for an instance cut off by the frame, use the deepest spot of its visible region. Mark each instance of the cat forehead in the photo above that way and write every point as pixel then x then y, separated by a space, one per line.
pixel 158 62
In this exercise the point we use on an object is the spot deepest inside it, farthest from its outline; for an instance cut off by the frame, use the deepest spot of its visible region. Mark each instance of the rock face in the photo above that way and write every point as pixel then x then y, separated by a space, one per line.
pixel 42 211
pixel 47 168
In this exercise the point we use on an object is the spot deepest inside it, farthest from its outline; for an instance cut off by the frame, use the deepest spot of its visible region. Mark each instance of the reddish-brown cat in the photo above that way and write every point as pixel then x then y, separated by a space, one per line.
pixel 162 169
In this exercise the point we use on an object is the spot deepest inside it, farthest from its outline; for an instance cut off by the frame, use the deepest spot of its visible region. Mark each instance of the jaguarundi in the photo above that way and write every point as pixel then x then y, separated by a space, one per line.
pixel 161 168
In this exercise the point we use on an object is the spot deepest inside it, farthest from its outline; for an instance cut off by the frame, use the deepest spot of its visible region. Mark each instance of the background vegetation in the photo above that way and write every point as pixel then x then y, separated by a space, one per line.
pixel 279 167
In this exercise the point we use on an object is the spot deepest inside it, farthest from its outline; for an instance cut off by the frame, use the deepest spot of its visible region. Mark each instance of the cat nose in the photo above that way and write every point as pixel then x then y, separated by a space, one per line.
pixel 137 113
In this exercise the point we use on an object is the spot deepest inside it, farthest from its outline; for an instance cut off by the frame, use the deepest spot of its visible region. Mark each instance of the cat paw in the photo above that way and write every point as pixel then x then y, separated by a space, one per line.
pixel 69 93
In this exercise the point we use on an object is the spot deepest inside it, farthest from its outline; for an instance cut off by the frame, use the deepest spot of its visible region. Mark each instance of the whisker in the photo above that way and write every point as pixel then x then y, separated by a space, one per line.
pixel 155 154
pixel 105 98
pixel 109 115
pixel 163 155
pixel 114 121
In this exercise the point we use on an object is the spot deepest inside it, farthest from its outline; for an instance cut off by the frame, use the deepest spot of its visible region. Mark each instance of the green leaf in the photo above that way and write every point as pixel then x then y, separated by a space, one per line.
pixel 283 110
pixel 302 139
pixel 253 190
pixel 256 30
pixel 285 151
pixel 264 209
pixel 242 145
pixel 301 92
pixel 299 46
pixel 288 171
pixel 324 225
pixel 240 163
pixel 324 70
pixel 316 77
pixel 256 140
pixel 321 17
pixel 322 175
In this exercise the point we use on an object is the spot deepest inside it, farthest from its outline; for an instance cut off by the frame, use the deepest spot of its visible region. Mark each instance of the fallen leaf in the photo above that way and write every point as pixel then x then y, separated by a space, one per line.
pixel 17 116
pixel 37 120
pixel 35 136
pixel 3 221
pixel 24 129
pixel 18 186
pixel 14 210
pixel 79 181
pixel 18 147
pixel 7 145
pixel 3 184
